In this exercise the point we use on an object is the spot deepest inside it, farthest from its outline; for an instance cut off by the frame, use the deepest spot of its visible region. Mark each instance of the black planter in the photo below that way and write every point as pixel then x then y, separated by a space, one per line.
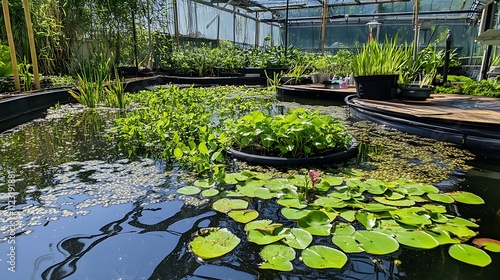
pixel 416 93
pixel 377 87
pixel 308 161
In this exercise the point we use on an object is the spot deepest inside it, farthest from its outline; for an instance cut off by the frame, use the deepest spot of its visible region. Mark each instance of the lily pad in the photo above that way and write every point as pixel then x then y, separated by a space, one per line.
pixel 330 202
pixel 466 197
pixel 204 183
pixel 438 197
pixel 261 224
pixel 366 219
pixel 291 202
pixel 234 178
pixel 400 203
pixel 442 236
pixel 225 205
pixel 209 192
pixel 463 222
pixel 417 198
pixel 277 257
pixel 316 223
pixel 297 238
pixel 348 215
pixel 376 243
pixel 461 232
pixel 243 216
pixel 343 229
pixel 347 243
pixel 333 181
pixel 489 244
pixel 294 214
pixel 416 239
pixel 264 236
pixel 414 216
pixel 377 207
pixel 321 257
pixel 392 195
pixel 276 184
pixel 469 254
pixel 189 190
pixel 216 243
pixel 377 189
pixel 435 208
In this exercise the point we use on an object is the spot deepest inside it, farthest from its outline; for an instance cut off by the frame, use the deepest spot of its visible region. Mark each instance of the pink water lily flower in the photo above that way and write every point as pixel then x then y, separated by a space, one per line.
pixel 313 175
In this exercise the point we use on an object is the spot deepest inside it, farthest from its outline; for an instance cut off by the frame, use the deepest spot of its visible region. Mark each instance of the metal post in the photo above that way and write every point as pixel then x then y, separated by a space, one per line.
pixel 286 26
pixel 10 39
pixel 176 22
pixel 447 56
pixel 415 29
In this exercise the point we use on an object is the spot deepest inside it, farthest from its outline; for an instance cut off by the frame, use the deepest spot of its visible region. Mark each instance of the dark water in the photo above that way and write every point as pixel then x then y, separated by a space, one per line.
pixel 84 210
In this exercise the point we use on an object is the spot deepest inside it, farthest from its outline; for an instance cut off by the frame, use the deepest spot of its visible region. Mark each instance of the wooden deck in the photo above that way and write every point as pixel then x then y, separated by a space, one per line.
pixel 460 108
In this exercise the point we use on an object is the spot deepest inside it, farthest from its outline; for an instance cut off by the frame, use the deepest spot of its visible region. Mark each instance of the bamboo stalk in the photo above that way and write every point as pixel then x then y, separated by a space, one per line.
pixel 10 39
pixel 31 39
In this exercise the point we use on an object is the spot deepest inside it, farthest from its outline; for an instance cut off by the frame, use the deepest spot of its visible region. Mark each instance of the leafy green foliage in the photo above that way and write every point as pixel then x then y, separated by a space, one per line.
pixel 372 58
pixel 298 133
pixel 5 63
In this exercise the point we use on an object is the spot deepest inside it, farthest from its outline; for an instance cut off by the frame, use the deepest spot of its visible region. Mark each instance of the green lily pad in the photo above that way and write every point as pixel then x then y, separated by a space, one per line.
pixel 333 181
pixel 400 203
pixel 469 254
pixel 463 222
pixel 255 183
pixel 234 178
pixel 332 215
pixel 348 215
pixel 376 243
pixel 276 184
pixel 225 205
pixel 377 207
pixel 294 214
pixel 413 190
pixel 438 197
pixel 298 238
pixel 344 195
pixel 392 195
pixel 442 236
pixel 366 219
pixel 439 218
pixel 243 216
pixel 204 183
pixel 347 243
pixel 466 197
pixel 417 198
pixel 277 257
pixel 209 192
pixel 263 176
pixel 435 208
pixel 330 202
pixel 316 223
pixel 461 232
pixel 216 243
pixel 264 236
pixel 189 190
pixel 262 224
pixel 416 239
pixel 377 189
pixel 263 193
pixel 489 244
pixel 321 257
pixel 414 216
pixel 291 203
pixel 342 229
pixel 426 188
pixel 391 227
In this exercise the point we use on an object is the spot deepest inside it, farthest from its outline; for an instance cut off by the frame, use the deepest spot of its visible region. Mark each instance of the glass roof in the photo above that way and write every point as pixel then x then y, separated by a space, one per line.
pixel 275 9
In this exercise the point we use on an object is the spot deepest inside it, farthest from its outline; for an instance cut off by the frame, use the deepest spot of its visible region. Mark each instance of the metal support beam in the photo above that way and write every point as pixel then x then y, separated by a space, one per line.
pixel 486 22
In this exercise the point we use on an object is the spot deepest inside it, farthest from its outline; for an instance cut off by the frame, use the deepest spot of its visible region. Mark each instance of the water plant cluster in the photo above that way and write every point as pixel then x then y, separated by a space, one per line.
pixel 358 215
pixel 185 125
pixel 297 133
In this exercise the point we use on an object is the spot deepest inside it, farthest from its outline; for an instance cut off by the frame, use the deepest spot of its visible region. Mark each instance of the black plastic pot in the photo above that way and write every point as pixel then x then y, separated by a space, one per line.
pixel 416 93
pixel 308 161
pixel 377 87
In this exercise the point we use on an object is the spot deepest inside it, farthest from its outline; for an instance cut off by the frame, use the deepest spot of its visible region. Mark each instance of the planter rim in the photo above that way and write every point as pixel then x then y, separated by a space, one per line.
pixel 286 161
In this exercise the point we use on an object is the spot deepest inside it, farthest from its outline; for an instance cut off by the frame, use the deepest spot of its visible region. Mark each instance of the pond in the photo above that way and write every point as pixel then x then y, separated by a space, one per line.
pixel 75 204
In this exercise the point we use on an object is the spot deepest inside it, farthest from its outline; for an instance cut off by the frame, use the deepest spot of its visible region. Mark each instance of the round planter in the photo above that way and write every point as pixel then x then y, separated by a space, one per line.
pixel 283 161
pixel 377 87
pixel 416 93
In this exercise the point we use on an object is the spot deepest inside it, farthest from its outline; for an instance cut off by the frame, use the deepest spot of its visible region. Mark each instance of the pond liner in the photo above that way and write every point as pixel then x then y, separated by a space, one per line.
pixel 332 158
pixel 26 107
pixel 481 139
pixel 312 93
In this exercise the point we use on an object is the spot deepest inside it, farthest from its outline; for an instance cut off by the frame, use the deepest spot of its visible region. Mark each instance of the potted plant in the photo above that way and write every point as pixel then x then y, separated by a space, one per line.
pixel 321 69
pixel 376 68
pixel 298 137
pixel 416 77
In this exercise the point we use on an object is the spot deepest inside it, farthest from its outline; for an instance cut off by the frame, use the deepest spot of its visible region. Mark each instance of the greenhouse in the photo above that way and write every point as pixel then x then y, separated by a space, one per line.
pixel 249 139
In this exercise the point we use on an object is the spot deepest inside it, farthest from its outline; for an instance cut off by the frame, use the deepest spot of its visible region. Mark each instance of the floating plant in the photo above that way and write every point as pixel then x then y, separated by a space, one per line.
pixel 372 216
pixel 213 242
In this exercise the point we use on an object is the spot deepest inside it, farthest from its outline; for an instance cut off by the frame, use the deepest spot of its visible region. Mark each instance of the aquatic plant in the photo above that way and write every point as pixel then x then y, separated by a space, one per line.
pixel 360 215
pixel 297 133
